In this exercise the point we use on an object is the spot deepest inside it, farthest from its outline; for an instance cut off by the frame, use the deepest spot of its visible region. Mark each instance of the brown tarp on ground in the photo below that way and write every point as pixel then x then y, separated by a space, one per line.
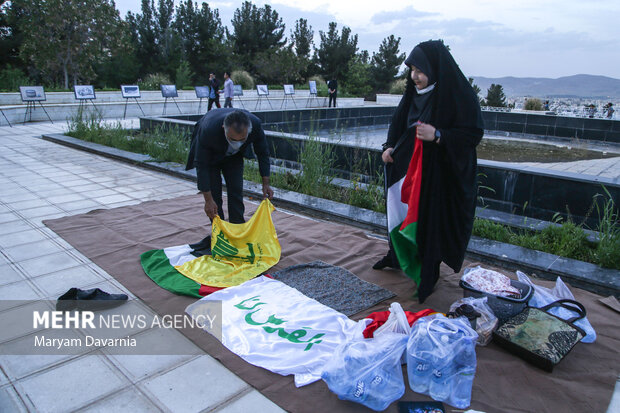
pixel 114 240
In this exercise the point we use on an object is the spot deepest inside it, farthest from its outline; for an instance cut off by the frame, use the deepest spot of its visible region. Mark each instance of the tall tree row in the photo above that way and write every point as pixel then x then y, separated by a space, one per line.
pixel 63 42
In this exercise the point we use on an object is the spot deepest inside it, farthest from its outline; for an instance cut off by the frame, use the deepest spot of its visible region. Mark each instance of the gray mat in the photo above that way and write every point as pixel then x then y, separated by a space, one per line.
pixel 333 286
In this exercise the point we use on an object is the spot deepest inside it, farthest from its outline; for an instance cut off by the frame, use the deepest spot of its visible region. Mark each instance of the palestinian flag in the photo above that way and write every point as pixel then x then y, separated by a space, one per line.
pixel 403 182
pixel 159 266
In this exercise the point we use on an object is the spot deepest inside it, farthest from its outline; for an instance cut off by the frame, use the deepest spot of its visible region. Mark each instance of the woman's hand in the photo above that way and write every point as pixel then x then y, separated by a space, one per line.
pixel 386 156
pixel 425 132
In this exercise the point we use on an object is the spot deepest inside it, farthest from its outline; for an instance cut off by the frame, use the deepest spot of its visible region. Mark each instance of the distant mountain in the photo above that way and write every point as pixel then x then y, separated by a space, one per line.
pixel 583 86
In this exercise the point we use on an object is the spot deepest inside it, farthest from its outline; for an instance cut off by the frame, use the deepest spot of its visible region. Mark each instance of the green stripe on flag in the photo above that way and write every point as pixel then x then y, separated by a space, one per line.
pixel 406 249
pixel 157 266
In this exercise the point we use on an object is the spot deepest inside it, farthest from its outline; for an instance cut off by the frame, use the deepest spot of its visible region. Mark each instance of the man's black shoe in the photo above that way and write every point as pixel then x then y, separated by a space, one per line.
pixel 92 300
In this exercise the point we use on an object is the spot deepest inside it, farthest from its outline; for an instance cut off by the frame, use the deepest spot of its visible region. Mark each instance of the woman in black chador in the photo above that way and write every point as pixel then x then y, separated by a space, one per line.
pixel 430 158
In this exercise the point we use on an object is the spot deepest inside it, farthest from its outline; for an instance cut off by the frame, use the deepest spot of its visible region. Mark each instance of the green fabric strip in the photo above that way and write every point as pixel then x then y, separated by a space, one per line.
pixel 157 266
pixel 406 248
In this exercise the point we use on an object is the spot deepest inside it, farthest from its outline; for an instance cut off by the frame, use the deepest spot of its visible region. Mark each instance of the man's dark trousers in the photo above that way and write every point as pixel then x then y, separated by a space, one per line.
pixel 232 170
pixel 215 100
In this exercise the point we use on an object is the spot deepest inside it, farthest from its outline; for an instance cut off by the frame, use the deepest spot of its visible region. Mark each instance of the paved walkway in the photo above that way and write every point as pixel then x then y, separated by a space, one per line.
pixel 42 180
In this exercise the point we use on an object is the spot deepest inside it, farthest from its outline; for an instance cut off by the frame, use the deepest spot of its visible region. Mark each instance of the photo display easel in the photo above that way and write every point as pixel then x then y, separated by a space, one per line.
pixel 84 94
pixel 31 95
pixel 238 91
pixel 169 91
pixel 289 92
pixel 131 92
pixel 313 94
pixel 202 92
pixel 263 92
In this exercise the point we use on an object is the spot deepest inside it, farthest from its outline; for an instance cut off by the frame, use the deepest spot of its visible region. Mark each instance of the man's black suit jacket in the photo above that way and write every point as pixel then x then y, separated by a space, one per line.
pixel 209 145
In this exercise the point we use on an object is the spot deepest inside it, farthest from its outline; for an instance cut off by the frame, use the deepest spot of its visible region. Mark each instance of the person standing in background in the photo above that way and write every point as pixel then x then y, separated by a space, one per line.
pixel 214 94
pixel 332 90
pixel 228 90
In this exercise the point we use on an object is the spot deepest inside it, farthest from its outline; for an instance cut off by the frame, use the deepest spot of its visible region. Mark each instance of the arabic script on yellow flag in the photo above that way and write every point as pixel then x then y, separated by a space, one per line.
pixel 239 251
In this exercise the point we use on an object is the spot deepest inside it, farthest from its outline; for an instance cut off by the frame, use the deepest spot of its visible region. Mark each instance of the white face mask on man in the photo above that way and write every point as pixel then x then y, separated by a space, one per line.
pixel 235 145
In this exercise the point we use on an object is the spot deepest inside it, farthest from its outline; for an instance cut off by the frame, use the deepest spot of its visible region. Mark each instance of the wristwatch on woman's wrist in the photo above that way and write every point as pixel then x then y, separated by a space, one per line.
pixel 437 135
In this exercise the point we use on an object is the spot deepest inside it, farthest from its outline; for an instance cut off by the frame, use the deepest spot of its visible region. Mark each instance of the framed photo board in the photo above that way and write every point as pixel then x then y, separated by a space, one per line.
pixel 32 93
pixel 262 90
pixel 237 90
pixel 312 85
pixel 169 91
pixel 130 91
pixel 289 90
pixel 84 92
pixel 202 92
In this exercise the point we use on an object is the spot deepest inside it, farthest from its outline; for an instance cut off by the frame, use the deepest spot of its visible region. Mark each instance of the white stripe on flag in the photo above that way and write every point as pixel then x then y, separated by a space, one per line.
pixel 396 209
pixel 179 255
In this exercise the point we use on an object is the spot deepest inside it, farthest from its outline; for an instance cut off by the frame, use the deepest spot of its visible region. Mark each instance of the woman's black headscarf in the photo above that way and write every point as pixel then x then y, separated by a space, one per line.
pixel 448 193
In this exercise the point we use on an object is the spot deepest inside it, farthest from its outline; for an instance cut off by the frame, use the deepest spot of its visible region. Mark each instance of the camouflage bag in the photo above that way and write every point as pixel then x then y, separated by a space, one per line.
pixel 539 337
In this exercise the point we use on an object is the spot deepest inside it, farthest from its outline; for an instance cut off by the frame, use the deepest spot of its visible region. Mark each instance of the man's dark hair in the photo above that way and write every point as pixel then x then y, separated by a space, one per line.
pixel 227 73
pixel 239 121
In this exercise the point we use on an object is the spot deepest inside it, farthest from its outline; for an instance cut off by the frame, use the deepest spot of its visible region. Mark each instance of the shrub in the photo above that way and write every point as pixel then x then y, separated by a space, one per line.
pixel 398 86
pixel 183 75
pixel 243 78
pixel 533 104
pixel 152 81
pixel 12 78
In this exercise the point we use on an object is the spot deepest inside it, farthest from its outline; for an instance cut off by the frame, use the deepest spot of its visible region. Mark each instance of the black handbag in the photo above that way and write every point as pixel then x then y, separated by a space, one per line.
pixel 539 337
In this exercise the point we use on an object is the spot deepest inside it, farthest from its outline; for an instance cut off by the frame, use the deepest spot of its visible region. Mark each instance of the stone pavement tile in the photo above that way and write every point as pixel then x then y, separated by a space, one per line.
pixel 112 199
pixel 253 401
pixel 90 187
pixel 124 203
pixel 79 205
pixel 58 283
pixel 20 290
pixel 32 203
pixel 8 217
pixel 10 401
pixel 101 193
pixel 79 382
pixel 3 379
pixel 130 400
pixel 18 365
pixel 49 264
pixel 12 192
pixel 51 192
pixel 16 317
pixel 15 226
pixel 200 384
pixel 139 367
pixel 30 235
pixel 61 199
pixel 9 275
pixel 32 250
pixel 70 181
pixel 18 197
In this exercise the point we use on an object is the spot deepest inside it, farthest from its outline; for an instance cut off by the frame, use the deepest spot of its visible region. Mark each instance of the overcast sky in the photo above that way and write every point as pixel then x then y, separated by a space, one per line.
pixel 492 38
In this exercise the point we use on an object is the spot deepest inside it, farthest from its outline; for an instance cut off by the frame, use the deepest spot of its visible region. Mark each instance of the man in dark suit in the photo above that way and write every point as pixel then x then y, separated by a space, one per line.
pixel 219 141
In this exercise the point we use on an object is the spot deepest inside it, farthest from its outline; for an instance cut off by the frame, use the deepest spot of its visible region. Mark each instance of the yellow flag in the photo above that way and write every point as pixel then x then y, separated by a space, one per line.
pixel 239 251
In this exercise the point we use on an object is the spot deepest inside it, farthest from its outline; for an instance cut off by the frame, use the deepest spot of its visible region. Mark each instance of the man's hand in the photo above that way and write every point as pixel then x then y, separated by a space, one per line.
pixel 386 156
pixel 210 205
pixel 267 191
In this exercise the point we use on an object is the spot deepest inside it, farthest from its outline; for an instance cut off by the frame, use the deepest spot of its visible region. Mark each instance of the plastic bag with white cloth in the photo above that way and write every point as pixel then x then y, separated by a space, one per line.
pixel 543 296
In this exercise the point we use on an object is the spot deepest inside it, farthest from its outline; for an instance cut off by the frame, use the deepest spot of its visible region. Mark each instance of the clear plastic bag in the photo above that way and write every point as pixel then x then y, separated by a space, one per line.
pixel 368 371
pixel 543 296
pixel 397 324
pixel 441 359
pixel 486 323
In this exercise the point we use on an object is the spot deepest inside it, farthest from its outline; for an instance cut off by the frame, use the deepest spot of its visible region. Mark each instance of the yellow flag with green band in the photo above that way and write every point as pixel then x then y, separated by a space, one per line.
pixel 239 251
